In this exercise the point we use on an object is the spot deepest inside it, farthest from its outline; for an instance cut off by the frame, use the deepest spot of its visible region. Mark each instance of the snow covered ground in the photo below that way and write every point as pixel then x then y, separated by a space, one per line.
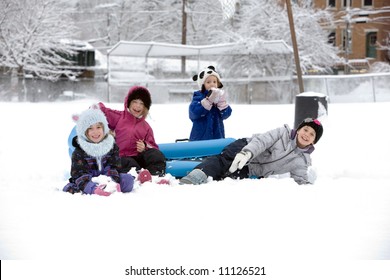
pixel 338 228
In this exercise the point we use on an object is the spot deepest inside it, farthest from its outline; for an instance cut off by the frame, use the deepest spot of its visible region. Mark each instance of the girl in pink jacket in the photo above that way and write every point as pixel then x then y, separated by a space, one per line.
pixel 133 135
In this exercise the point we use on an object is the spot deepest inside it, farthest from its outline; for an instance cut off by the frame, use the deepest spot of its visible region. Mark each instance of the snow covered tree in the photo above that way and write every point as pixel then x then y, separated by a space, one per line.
pixel 383 66
pixel 32 34
pixel 205 26
pixel 153 20
pixel 268 20
pixel 132 20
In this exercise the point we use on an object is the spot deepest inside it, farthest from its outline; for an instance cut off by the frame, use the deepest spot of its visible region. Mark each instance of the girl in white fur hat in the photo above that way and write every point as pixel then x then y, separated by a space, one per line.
pixel 95 160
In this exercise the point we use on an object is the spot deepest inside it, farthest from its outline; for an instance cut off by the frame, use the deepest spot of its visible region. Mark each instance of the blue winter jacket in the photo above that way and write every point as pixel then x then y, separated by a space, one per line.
pixel 206 124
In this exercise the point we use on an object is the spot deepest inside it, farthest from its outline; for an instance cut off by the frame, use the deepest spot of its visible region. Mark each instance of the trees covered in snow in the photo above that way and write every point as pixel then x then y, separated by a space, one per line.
pixel 209 23
pixel 32 31
pixel 268 20
pixel 108 22
pixel 32 34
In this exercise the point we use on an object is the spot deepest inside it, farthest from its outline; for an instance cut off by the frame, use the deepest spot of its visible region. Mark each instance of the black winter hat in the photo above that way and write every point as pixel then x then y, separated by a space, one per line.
pixel 315 124
pixel 138 92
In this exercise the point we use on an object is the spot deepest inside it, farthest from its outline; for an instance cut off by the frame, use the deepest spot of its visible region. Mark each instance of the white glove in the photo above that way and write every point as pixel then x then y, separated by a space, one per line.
pixel 311 174
pixel 240 160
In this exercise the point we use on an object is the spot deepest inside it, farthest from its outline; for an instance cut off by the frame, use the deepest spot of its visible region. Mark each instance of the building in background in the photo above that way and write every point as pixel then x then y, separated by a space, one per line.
pixel 362 28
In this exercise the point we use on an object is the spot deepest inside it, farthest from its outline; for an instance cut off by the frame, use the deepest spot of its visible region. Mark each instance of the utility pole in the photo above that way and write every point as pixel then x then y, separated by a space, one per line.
pixel 348 17
pixel 295 47
pixel 183 36
pixel 108 28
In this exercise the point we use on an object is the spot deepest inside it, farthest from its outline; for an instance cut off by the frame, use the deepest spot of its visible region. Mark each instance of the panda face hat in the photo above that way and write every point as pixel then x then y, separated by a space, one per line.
pixel 204 74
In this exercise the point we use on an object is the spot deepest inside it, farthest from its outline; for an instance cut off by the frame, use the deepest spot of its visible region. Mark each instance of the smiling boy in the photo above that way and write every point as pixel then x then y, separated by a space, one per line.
pixel 278 151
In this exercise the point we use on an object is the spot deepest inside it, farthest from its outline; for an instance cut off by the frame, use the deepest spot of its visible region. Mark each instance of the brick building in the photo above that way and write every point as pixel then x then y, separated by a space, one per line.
pixel 360 27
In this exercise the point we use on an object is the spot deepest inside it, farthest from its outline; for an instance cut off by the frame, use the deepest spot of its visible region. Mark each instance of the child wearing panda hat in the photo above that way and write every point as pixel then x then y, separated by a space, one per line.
pixel 95 160
pixel 209 107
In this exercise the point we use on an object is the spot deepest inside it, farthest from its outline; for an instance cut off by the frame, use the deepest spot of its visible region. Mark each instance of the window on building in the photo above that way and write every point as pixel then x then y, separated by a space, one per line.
pixel 367 2
pixel 332 38
pixel 371 39
pixel 345 3
pixel 331 3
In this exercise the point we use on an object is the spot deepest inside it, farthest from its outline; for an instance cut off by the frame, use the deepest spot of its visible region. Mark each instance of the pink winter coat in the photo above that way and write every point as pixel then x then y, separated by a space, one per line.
pixel 128 129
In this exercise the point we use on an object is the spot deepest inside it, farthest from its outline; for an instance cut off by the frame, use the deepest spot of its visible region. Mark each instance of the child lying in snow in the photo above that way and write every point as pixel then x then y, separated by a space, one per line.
pixel 278 151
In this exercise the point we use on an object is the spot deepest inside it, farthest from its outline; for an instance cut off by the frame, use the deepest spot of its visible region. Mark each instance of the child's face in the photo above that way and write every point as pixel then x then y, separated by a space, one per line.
pixel 137 108
pixel 305 136
pixel 95 132
pixel 211 82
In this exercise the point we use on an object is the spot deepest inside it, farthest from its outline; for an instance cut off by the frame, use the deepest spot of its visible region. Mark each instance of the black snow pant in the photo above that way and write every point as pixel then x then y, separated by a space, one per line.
pixel 151 159
pixel 218 166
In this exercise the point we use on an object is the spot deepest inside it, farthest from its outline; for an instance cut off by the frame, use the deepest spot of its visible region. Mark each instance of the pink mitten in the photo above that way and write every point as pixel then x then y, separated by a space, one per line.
pixel 222 104
pixel 206 104
pixel 214 96
pixel 163 182
pixel 106 183
pixel 100 191
pixel 144 176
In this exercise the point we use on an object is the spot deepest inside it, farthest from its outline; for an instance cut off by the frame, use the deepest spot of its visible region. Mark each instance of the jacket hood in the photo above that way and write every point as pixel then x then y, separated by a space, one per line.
pixel 138 92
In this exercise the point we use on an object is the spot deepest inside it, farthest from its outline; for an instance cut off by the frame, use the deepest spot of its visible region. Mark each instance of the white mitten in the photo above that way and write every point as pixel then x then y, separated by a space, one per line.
pixel 214 96
pixel 240 160
pixel 311 174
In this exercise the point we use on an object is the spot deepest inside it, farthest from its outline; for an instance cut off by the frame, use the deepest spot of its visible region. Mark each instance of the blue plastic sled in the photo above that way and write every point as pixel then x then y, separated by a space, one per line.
pixel 194 149
pixel 72 134
pixel 180 168
pixel 181 157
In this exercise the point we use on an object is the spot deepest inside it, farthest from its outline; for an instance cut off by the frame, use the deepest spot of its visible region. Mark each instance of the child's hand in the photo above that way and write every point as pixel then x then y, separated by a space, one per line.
pixel 100 191
pixel 207 104
pixel 240 160
pixel 222 103
pixel 141 146
pixel 214 96
pixel 105 184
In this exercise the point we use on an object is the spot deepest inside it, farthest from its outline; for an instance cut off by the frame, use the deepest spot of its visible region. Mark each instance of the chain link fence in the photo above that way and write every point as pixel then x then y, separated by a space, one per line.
pixel 351 88
pixel 339 88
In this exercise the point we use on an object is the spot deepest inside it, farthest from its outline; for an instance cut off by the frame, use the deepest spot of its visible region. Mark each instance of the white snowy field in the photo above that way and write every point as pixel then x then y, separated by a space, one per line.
pixel 341 220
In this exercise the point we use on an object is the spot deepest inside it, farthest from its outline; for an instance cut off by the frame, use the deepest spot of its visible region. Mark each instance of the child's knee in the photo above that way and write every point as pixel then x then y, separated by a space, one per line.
pixel 126 182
